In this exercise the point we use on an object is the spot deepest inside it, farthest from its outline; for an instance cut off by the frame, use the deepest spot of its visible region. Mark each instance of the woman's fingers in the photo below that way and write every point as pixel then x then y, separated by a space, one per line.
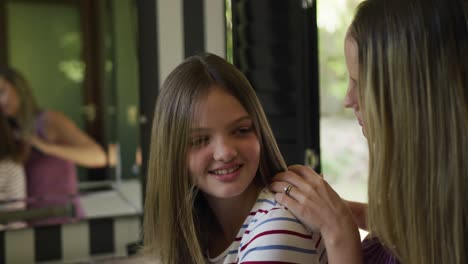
pixel 290 177
pixel 307 186
pixel 305 172
pixel 305 214
pixel 294 192
pixel 310 198
pixel 316 182
pixel 317 206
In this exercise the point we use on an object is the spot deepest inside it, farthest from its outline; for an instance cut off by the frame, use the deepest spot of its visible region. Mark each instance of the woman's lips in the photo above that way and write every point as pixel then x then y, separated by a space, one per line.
pixel 359 118
pixel 360 122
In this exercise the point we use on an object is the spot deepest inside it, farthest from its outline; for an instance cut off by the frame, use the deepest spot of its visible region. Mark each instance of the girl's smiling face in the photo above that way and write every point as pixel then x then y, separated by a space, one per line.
pixel 224 151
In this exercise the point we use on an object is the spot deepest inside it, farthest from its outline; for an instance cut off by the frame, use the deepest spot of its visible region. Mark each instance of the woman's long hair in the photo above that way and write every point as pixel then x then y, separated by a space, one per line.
pixel 176 217
pixel 12 148
pixel 28 105
pixel 413 81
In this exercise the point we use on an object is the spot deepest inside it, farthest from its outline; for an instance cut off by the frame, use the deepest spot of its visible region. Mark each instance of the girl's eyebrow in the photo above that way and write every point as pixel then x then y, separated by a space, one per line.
pixel 238 120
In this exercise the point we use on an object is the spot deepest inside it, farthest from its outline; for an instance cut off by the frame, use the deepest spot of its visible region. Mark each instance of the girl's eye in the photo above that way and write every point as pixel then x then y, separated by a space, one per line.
pixel 244 130
pixel 199 141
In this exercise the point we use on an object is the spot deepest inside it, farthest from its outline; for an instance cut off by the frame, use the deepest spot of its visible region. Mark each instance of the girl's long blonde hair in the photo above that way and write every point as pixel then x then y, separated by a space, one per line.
pixel 28 105
pixel 176 218
pixel 12 148
pixel 413 81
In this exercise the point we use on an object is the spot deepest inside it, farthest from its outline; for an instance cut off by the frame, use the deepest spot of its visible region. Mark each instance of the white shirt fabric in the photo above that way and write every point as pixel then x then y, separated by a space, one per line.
pixel 12 185
pixel 271 233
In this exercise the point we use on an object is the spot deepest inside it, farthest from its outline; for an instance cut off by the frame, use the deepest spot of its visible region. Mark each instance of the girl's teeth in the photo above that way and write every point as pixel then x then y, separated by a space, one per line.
pixel 225 171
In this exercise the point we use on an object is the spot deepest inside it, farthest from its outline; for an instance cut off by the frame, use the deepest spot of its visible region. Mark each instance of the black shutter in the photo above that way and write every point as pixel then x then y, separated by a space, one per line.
pixel 275 45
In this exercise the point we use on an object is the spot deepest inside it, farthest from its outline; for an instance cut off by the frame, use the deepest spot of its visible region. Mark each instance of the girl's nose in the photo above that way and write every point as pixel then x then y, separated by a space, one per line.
pixel 224 151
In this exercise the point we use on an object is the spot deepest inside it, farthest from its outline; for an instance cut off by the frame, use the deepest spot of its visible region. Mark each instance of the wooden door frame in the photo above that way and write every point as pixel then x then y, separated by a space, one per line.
pixel 3 34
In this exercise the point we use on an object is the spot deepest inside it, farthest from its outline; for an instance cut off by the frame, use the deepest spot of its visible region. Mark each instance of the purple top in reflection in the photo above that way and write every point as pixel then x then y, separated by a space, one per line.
pixel 374 252
pixel 51 181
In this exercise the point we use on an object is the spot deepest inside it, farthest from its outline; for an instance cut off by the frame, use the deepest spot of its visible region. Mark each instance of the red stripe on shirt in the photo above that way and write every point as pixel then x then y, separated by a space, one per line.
pixel 261 262
pixel 272 232
pixel 264 211
pixel 318 242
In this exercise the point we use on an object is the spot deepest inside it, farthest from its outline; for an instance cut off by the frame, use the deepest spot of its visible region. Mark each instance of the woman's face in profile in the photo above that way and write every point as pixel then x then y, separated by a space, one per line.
pixel 9 100
pixel 351 99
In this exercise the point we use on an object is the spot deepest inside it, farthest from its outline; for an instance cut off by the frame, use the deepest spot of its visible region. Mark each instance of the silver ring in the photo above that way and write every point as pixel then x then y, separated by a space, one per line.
pixel 287 189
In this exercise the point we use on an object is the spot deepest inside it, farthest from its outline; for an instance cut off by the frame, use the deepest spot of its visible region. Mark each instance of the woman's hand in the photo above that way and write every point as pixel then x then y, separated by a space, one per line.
pixel 319 207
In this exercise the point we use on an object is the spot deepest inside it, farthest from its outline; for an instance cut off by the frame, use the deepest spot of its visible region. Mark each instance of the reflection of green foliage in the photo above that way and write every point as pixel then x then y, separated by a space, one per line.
pixel 336 166
pixel 336 82
pixel 71 40
pixel 229 53
pixel 71 46
pixel 73 69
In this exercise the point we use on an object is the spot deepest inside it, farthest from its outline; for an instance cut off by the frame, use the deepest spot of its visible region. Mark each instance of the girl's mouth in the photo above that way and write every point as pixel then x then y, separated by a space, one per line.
pixel 222 172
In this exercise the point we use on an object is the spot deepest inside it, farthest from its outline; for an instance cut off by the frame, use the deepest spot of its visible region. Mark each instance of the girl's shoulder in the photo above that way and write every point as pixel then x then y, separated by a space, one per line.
pixel 273 233
pixel 267 210
pixel 9 163
pixel 10 168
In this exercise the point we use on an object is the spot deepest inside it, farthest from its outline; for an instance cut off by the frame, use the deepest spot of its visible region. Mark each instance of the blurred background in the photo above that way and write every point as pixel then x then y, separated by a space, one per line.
pixel 101 62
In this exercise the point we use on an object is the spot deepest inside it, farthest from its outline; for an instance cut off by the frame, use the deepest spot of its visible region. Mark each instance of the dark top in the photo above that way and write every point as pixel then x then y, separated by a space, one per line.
pixel 374 252
pixel 51 181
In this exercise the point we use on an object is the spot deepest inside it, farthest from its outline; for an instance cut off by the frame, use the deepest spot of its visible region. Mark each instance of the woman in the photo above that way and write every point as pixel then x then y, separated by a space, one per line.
pixel 57 145
pixel 408 67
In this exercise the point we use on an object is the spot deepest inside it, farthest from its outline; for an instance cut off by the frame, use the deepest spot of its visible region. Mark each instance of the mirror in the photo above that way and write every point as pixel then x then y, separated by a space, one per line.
pixel 80 58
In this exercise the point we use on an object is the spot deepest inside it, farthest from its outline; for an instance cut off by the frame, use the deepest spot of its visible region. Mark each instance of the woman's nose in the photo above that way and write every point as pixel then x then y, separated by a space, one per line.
pixel 224 150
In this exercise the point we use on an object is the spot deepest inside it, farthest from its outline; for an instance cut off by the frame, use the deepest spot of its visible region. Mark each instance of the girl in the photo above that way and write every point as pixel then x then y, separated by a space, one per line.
pixel 57 145
pixel 212 156
pixel 12 177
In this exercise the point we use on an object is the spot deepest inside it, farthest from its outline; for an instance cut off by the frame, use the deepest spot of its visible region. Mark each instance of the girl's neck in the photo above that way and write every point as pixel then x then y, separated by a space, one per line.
pixel 230 214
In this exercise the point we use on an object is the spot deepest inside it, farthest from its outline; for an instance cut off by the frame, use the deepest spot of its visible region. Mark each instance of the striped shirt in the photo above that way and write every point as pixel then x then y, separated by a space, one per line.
pixel 12 185
pixel 272 234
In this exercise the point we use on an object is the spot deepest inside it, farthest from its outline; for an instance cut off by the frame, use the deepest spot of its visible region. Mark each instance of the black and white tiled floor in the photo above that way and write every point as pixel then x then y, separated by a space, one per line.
pixel 113 222
pixel 81 242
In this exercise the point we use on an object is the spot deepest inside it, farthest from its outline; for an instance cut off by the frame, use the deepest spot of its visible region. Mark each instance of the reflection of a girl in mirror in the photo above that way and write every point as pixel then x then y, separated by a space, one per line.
pixel 12 176
pixel 57 144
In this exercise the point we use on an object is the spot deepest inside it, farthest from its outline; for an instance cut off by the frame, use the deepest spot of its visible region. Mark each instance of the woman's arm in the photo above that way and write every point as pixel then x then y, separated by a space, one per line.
pixel 320 208
pixel 65 140
pixel 359 212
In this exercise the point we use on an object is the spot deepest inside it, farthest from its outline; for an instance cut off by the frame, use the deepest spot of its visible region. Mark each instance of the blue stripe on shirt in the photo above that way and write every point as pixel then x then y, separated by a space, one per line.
pixel 266 201
pixel 281 247
pixel 275 219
